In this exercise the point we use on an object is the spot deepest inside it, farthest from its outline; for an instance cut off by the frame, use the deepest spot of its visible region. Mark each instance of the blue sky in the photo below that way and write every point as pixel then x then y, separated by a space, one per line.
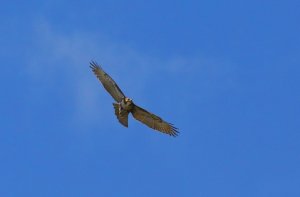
pixel 226 73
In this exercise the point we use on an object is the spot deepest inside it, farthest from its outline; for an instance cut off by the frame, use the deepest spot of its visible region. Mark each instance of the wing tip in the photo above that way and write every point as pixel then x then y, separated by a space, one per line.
pixel 174 132
pixel 94 65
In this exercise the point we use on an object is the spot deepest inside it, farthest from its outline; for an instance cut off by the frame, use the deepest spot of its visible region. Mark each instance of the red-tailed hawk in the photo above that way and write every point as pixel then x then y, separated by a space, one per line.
pixel 125 105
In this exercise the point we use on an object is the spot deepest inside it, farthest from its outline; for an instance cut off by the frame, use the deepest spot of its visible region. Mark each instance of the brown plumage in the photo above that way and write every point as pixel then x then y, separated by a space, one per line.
pixel 124 105
pixel 121 115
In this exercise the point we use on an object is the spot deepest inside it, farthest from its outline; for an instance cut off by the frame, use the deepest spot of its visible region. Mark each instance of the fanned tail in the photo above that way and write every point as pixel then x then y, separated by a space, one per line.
pixel 122 115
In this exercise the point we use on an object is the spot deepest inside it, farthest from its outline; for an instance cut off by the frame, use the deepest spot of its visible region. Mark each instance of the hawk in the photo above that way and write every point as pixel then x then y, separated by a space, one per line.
pixel 125 105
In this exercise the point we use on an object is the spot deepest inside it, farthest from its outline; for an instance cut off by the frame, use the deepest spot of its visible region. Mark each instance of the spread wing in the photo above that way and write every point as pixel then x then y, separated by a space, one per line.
pixel 108 83
pixel 153 121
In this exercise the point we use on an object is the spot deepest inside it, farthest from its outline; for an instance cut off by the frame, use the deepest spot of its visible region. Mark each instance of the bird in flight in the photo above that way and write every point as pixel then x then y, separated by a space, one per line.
pixel 125 105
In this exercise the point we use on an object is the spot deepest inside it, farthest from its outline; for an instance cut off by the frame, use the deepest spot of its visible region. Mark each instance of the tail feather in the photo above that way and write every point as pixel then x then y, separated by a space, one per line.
pixel 121 115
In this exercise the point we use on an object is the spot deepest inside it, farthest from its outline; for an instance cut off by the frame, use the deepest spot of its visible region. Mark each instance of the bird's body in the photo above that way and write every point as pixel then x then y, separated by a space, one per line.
pixel 125 105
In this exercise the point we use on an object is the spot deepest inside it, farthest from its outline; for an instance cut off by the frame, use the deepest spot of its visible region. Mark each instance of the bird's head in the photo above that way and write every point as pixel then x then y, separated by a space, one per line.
pixel 127 100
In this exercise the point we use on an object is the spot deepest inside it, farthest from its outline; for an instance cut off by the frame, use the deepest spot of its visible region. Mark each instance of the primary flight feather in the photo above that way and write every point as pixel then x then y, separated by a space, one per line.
pixel 125 105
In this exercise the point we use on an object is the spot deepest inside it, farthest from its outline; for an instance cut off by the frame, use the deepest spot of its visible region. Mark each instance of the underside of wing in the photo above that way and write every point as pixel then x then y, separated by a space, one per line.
pixel 108 83
pixel 122 116
pixel 153 121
